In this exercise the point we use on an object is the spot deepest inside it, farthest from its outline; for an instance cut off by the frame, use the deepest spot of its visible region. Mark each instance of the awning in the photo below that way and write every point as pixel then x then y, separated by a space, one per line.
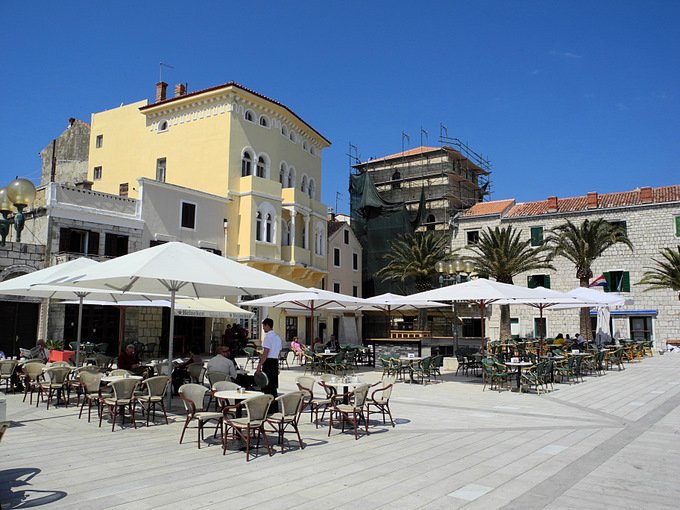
pixel 210 307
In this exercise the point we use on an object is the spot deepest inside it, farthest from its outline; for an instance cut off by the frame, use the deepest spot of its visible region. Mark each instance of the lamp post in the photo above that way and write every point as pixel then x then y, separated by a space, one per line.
pixel 19 193
pixel 450 273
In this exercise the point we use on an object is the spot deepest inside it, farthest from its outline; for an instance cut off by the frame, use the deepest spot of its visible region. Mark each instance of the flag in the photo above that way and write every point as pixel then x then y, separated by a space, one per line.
pixel 599 282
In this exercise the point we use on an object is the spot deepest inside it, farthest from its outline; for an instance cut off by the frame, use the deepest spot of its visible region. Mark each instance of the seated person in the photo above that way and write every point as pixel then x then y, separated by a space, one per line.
pixel 128 361
pixel 333 344
pixel 318 345
pixel 580 341
pixel 39 351
pixel 222 363
pixel 180 374
pixel 559 340
pixel 295 345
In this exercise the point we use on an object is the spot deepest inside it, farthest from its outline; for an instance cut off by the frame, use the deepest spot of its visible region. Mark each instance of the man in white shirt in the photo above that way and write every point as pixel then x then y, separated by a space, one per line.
pixel 269 361
pixel 220 363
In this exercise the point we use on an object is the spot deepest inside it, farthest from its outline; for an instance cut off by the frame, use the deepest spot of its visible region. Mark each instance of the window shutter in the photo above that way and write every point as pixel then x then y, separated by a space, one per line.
pixel 625 285
pixel 536 236
pixel 677 226
pixel 531 282
pixel 546 281
pixel 93 243
pixel 607 277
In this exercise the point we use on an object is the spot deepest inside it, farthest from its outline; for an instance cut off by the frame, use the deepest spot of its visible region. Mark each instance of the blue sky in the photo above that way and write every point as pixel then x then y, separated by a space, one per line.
pixel 563 97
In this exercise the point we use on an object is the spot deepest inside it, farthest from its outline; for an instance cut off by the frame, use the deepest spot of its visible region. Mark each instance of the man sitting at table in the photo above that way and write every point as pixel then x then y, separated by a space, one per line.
pixel 222 363
pixel 128 361
pixel 39 351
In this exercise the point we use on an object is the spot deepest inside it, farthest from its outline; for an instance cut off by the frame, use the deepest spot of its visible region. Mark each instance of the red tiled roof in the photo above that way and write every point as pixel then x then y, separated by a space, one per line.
pixel 236 85
pixel 410 152
pixel 334 226
pixel 604 201
pixel 486 208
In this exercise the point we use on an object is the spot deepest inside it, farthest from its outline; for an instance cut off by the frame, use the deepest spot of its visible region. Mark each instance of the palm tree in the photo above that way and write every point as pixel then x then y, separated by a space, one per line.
pixel 415 256
pixel 500 253
pixel 666 274
pixel 583 244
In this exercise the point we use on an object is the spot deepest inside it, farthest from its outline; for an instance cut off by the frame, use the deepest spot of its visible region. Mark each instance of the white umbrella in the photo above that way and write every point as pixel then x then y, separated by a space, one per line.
pixel 30 285
pixel 178 269
pixel 598 297
pixel 604 331
pixel 481 292
pixel 308 299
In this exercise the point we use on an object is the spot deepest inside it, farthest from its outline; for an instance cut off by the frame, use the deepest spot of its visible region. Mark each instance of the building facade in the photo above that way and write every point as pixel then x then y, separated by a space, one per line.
pixel 651 217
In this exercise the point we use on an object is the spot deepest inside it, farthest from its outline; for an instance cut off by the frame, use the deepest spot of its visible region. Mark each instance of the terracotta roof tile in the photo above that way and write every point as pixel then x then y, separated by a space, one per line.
pixel 334 226
pixel 486 208
pixel 604 201
pixel 410 152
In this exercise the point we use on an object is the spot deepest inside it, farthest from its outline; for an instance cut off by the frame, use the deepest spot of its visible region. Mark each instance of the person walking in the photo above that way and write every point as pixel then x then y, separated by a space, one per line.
pixel 269 361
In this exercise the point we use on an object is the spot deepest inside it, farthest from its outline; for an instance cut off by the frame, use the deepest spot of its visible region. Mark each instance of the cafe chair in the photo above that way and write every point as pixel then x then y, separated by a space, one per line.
pixel 119 372
pixel 495 373
pixel 245 427
pixel 306 385
pixel 435 367
pixel 6 370
pixel 352 412
pixel 90 383
pixel 252 357
pixel 52 380
pixel 223 385
pixel 283 357
pixel 121 397
pixel 152 394
pixel 196 372
pixel 290 405
pixel 421 370
pixel 31 371
pixel 193 396
pixel 380 398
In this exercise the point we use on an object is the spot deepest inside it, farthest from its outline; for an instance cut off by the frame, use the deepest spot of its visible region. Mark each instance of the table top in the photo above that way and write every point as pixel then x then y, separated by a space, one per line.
pixel 339 384
pixel 327 353
pixel 552 357
pixel 411 358
pixel 518 363
pixel 112 378
pixel 235 395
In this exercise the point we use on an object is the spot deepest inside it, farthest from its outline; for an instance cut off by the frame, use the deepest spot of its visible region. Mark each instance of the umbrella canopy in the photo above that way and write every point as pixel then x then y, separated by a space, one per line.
pixel 30 285
pixel 309 299
pixel 481 292
pixel 604 331
pixel 175 268
pixel 598 297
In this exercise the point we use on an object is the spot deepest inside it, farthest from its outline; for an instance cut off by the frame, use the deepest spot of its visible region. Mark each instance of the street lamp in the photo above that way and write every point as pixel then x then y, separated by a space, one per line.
pixel 450 273
pixel 20 193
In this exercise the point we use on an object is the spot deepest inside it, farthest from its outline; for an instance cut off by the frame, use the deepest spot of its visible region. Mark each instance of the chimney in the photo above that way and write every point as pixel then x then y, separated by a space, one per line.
pixel 646 195
pixel 552 204
pixel 180 89
pixel 331 214
pixel 161 90
pixel 71 121
pixel 592 200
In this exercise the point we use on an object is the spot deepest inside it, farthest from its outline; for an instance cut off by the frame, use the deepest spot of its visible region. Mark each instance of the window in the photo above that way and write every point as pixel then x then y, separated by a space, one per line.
pixel 472 327
pixel 249 116
pixel 346 235
pixel 285 233
pixel 291 177
pixel 258 226
pixel 540 327
pixel 160 169
pixel 336 287
pixel 163 126
pixel 396 177
pixel 472 236
pixel 99 142
pixel 618 223
pixel 188 215
pixel 264 121
pixel 261 167
pixel 123 189
pixel 246 164
pixel 312 189
pixel 429 221
pixel 536 236
pixel 115 245
pixel 305 145
pixel 319 239
pixel 336 257
pixel 291 328
pixel 269 230
pixel 355 261
pixel 355 290
pixel 73 240
pixel 283 176
pixel 303 184
pixel 284 130
pixel 538 280
pixel 292 137
pixel 617 281
pixel 677 226
pixel 97 173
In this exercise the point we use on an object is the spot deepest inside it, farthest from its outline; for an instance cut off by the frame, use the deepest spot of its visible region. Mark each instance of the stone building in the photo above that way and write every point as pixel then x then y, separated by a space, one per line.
pixel 651 217
pixel 65 158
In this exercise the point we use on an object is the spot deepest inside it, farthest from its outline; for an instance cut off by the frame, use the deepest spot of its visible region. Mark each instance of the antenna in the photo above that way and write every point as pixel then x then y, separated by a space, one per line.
pixel 337 197
pixel 404 135
pixel 427 137
pixel 160 70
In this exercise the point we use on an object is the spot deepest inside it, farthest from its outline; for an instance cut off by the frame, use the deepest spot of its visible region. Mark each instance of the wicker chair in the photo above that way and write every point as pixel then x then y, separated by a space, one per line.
pixel 90 382
pixel 380 398
pixel 288 416
pixel 254 421
pixel 196 372
pixel 283 357
pixel 222 385
pixel 435 367
pixel 306 385
pixel 352 412
pixel 31 372
pixel 120 372
pixel 6 370
pixel 154 389
pixel 52 380
pixel 121 397
pixel 193 396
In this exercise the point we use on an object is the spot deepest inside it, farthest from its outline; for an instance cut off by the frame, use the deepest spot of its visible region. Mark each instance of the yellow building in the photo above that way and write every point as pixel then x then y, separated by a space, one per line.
pixel 232 142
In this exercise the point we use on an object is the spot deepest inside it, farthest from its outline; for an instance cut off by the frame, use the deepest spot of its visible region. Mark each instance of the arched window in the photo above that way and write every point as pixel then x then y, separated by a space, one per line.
pixel 305 145
pixel 246 164
pixel 283 176
pixel 312 189
pixel 284 130
pixel 291 177
pixel 264 121
pixel 292 137
pixel 285 233
pixel 261 167
pixel 430 221
pixel 303 184
pixel 319 240
pixel 258 226
pixel 396 177
pixel 269 237
pixel 163 126
pixel 249 115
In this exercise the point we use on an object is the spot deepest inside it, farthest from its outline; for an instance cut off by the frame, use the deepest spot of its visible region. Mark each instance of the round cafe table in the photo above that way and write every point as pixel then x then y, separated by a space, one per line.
pixel 520 366
pixel 112 378
pixel 236 396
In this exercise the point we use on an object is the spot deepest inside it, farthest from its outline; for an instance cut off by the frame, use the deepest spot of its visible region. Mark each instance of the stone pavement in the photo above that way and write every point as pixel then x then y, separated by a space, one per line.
pixel 609 442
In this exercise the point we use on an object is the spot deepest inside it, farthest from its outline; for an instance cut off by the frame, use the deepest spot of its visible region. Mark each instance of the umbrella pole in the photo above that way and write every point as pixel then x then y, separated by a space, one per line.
pixel 540 343
pixel 171 338
pixel 481 312
pixel 81 295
